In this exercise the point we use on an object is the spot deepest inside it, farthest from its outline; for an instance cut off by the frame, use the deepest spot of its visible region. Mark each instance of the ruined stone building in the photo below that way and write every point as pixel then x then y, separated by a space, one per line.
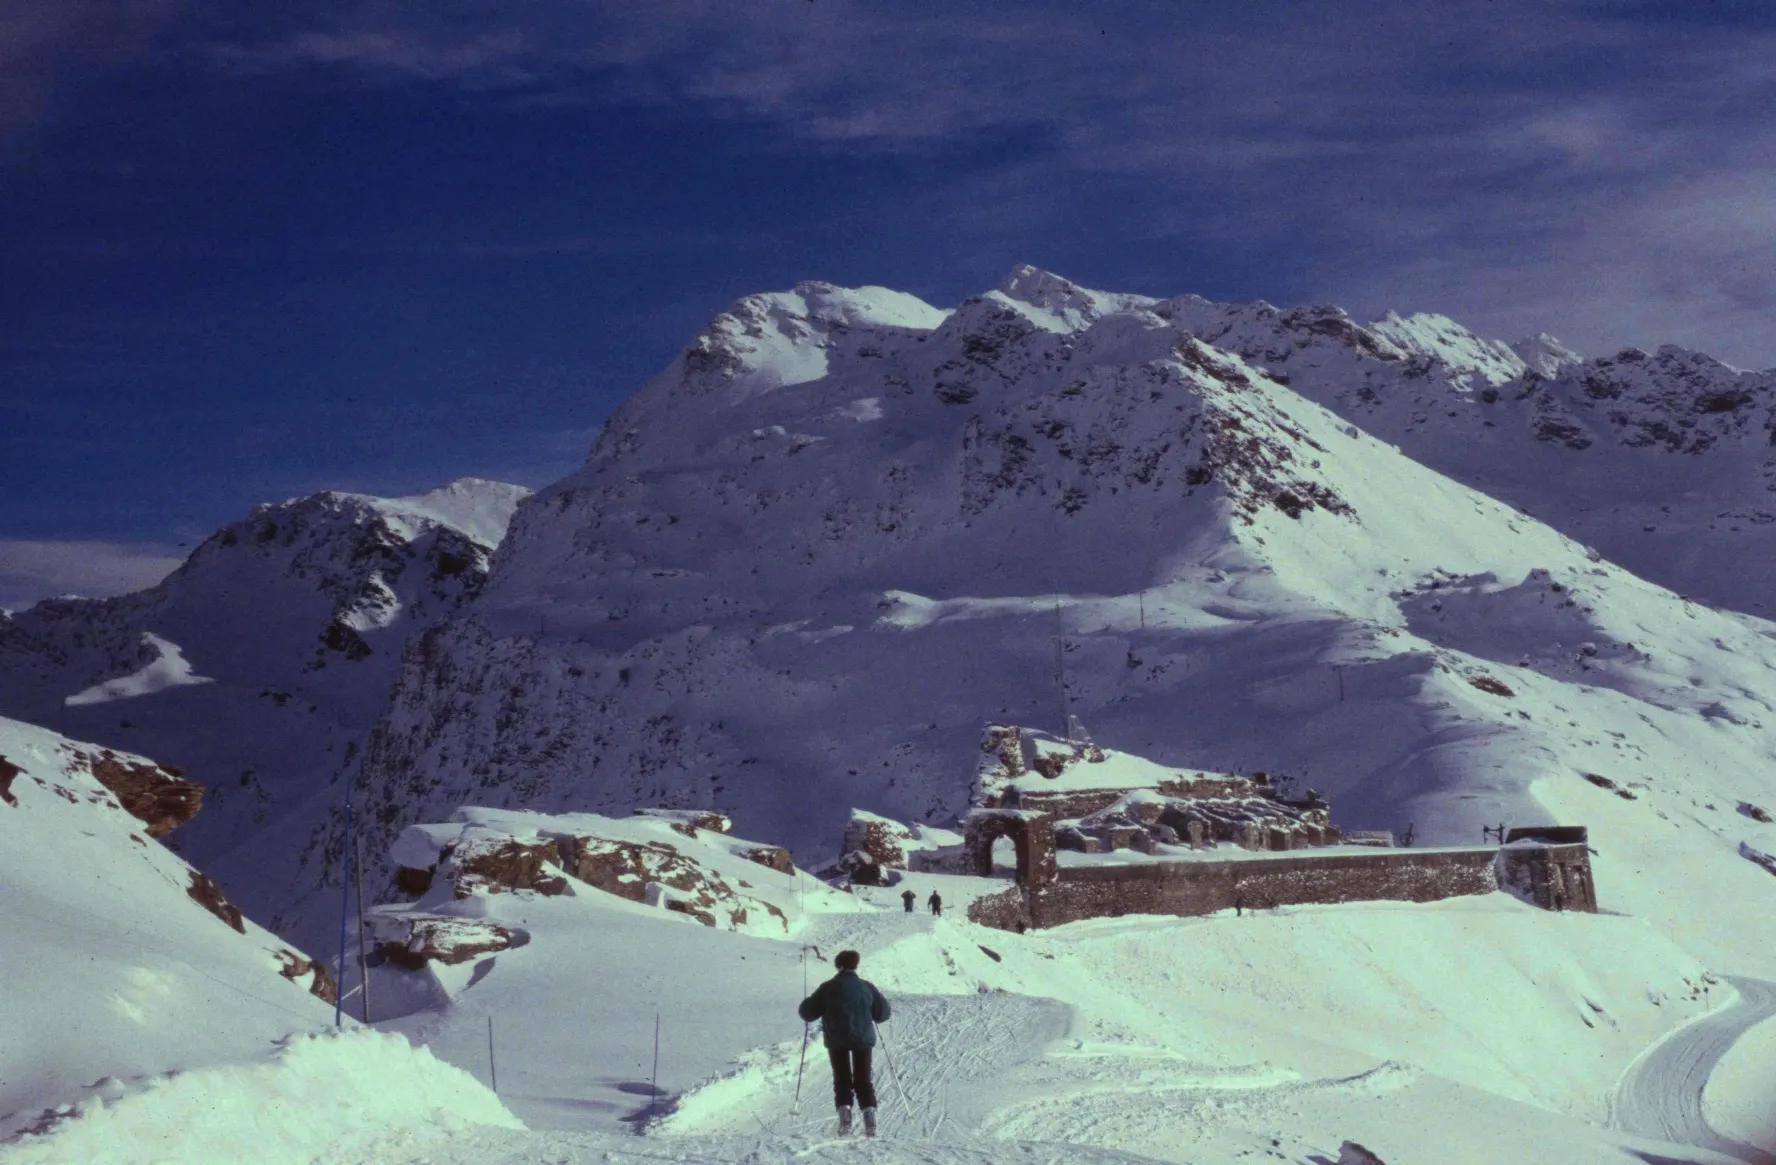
pixel 1098 833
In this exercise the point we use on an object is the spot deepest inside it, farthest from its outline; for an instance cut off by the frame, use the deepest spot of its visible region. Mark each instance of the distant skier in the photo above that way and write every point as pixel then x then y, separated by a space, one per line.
pixel 849 1008
pixel 935 903
pixel 908 897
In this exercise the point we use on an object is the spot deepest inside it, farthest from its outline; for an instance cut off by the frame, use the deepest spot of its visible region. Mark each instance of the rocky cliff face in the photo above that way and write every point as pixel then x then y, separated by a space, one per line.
pixel 843 531
pixel 260 663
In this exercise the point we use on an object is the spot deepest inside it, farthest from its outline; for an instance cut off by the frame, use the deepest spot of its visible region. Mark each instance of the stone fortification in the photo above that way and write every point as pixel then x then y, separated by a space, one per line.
pixel 1554 877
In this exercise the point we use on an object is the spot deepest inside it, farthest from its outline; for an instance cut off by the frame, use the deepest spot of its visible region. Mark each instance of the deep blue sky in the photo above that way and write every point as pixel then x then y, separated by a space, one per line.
pixel 380 245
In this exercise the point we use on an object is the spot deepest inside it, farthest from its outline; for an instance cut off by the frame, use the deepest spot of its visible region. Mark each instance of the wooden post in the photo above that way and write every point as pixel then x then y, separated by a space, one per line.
pixel 344 907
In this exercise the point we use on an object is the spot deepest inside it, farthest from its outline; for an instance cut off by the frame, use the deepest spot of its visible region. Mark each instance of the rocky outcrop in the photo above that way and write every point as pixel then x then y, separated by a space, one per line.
pixel 689 821
pixel 680 861
pixel 882 841
pixel 154 793
pixel 413 940
pixel 208 895
pixel 875 848
pixel 8 771
pixel 495 866
pixel 772 857
pixel 296 967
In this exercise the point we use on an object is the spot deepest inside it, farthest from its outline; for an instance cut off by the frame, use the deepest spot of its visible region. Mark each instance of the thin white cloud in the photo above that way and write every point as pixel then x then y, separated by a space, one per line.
pixel 34 570
pixel 42 42
pixel 1574 163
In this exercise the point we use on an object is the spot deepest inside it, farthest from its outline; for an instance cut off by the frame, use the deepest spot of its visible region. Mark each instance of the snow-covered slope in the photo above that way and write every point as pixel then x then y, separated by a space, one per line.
pixel 119 959
pixel 1663 462
pixel 259 664
pixel 808 562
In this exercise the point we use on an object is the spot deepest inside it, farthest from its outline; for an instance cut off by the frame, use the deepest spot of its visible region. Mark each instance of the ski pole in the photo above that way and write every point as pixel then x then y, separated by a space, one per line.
pixel 804 1063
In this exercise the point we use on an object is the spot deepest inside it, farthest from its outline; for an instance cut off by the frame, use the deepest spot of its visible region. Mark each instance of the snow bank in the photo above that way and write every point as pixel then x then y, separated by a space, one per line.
pixel 119 959
pixel 326 1098
pixel 1740 1100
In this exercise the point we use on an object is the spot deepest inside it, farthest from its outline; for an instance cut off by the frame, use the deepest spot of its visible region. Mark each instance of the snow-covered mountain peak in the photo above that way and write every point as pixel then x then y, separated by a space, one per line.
pixel 474 506
pixel 1063 305
pixel 778 339
pixel 1544 354
pixel 1441 338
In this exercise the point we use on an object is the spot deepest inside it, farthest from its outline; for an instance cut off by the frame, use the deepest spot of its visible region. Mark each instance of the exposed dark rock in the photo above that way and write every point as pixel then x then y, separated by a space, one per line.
pixel 444 939
pixel 147 791
pixel 321 985
pixel 773 856
pixel 208 895
pixel 8 771
pixel 411 881
pixel 507 865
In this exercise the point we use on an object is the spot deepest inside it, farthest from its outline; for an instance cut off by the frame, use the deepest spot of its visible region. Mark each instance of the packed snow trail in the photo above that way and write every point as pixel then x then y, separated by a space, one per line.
pixel 1661 1093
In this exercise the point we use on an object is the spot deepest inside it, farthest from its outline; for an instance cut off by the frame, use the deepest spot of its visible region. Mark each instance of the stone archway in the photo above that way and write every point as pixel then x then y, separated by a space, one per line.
pixel 1031 833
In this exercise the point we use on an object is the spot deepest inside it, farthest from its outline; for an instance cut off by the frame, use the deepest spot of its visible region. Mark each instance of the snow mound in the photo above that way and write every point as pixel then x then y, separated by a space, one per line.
pixel 319 1098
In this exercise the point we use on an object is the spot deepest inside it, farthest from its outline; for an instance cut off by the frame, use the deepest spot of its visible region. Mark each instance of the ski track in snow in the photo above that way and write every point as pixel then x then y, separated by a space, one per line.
pixel 1660 1095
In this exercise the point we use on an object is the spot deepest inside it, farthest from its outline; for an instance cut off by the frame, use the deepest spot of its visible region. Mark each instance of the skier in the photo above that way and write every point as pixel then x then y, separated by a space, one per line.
pixel 935 903
pixel 848 1009
pixel 908 897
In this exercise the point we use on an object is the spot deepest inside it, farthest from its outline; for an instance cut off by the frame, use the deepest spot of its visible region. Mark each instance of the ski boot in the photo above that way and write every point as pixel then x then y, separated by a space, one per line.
pixel 845 1120
pixel 869 1122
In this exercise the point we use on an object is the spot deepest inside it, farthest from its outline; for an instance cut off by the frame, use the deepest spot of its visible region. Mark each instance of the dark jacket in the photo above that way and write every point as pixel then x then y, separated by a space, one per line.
pixel 848 1009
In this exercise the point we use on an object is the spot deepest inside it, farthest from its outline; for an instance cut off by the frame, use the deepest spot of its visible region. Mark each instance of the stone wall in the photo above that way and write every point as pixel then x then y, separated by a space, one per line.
pixel 1554 877
pixel 1204 887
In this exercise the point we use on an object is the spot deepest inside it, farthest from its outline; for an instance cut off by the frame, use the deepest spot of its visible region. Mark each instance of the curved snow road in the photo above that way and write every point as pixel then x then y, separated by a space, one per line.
pixel 1660 1096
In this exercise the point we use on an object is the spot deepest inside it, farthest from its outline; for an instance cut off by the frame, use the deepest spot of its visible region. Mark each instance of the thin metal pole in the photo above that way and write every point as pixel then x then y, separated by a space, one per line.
pixel 492 1064
pixel 654 1084
pixel 363 958
pixel 344 909
pixel 1061 674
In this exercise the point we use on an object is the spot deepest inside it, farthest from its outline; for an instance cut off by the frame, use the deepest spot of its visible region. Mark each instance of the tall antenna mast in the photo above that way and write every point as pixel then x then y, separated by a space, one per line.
pixel 1061 674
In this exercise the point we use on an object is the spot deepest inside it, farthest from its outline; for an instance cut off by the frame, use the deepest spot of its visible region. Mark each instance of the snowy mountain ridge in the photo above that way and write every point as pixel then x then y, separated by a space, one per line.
pixel 261 661
pixel 807 563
